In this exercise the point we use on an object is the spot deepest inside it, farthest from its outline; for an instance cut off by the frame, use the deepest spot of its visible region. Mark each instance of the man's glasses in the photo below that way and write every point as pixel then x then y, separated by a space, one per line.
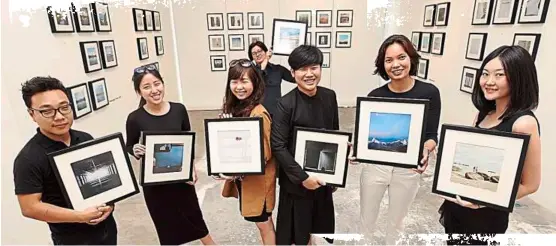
pixel 51 113
pixel 241 62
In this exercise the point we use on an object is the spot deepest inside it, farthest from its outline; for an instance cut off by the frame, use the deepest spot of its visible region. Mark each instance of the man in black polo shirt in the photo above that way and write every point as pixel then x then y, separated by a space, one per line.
pixel 37 189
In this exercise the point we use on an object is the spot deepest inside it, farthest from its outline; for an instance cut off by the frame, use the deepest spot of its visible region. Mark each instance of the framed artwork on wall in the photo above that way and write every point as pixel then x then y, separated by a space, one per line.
pixel 139 19
pixel 254 37
pixel 236 42
pixel 99 93
pixel 438 43
pixel 60 19
pixel 304 16
pixel 482 12
pixel 159 45
pixel 442 14
pixel 101 16
pixel 505 11
pixel 90 55
pixel 468 77
pixel 423 68
pixel 529 41
pixel 83 17
pixel 216 42
pixel 323 39
pixel 218 63
pixel 476 46
pixel 428 19
pixel 343 39
pixel 149 20
pixel 324 18
pixel 344 18
pixel 255 20
pixel 142 48
pixel 308 39
pixel 425 42
pixel 215 21
pixel 325 59
pixel 156 20
pixel 287 35
pixel 416 40
pixel 108 53
pixel 533 11
pixel 80 101
pixel 235 21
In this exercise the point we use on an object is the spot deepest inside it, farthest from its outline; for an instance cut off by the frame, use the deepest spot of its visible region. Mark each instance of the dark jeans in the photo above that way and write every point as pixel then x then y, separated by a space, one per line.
pixel 106 236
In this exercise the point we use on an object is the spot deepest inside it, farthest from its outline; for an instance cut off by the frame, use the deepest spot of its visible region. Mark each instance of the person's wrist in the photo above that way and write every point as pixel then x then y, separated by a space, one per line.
pixel 79 217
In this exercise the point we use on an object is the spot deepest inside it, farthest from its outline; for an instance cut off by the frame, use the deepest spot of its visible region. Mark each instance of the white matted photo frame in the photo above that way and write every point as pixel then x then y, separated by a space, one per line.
pixel 468 78
pixel 323 39
pixel 101 15
pixel 235 21
pixel 308 39
pixel 426 40
pixel 149 26
pixel 99 93
pixel 304 16
pixel 416 40
pixel 343 39
pixel 505 11
pixel 90 55
pixel 218 63
pixel 108 53
pixel 533 11
pixel 442 14
pixel 142 48
pixel 482 12
pixel 236 42
pixel 235 146
pixel 481 166
pixel 428 18
pixel 325 59
pixel 60 19
pixel 287 35
pixel 323 18
pixel 83 17
pixel 390 131
pixel 476 43
pixel 139 19
pixel 254 37
pixel 156 21
pixel 529 41
pixel 344 18
pixel 94 172
pixel 215 21
pixel 437 42
pixel 323 154
pixel 159 45
pixel 255 20
pixel 168 157
pixel 80 100
pixel 423 68
pixel 217 42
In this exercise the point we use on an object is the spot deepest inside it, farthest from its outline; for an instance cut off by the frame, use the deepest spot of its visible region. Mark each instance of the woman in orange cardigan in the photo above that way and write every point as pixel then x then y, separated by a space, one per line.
pixel 256 193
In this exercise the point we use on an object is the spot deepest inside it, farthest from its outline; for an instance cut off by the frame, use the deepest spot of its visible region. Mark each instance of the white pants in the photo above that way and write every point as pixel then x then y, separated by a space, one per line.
pixel 402 185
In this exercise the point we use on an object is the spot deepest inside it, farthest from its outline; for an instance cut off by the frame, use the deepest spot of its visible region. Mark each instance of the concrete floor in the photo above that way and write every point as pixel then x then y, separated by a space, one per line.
pixel 228 227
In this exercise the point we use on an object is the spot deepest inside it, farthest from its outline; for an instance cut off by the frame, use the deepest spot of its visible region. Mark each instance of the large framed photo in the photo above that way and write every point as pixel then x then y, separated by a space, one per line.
pixel 215 21
pixel 99 93
pixel 323 153
pixel 287 35
pixel 168 157
pixel 468 77
pixel 101 16
pixel 90 55
pixel 255 20
pixel 390 131
pixel 60 19
pixel 438 43
pixel 80 101
pixel 83 16
pixel 428 19
pixel 108 53
pixel 142 48
pixel 235 146
pixel 476 43
pixel 533 11
pixel 482 12
pixel 529 41
pixel 482 166
pixel 94 172
pixel 505 11
pixel 442 14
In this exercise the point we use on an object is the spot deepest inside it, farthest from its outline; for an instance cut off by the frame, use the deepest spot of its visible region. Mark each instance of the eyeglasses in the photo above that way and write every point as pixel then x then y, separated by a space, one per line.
pixel 241 62
pixel 51 113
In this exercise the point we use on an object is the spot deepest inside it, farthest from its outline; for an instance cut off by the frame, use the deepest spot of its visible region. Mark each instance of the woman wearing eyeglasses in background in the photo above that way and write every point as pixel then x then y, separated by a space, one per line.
pixel 273 74
pixel 174 208
pixel 256 193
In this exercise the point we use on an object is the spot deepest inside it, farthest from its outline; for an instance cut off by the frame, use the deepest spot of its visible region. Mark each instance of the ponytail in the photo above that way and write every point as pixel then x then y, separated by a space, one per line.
pixel 142 102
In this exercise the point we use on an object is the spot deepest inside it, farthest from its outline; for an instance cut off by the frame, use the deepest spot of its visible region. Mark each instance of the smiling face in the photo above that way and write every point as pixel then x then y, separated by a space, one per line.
pixel 152 89
pixel 242 88
pixel 397 62
pixel 493 81
pixel 307 78
pixel 50 100
pixel 258 54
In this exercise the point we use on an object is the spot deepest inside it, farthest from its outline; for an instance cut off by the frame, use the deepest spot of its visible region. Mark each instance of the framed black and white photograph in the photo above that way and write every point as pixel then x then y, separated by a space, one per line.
pixel 108 53
pixel 343 39
pixel 99 93
pixel 149 26
pixel 323 18
pixel 482 11
pixel 80 100
pixel 416 40
pixel 423 68
pixel 60 19
pixel 143 48
pixel 428 19
pixel 254 37
pixel 323 154
pixel 481 166
pixel 505 11
pixel 156 21
pixel 101 15
pixel 533 11
pixel 529 41
pixel 94 172
pixel 425 42
pixel 235 146
pixel 323 39
pixel 325 59
pixel 304 16
pixel 216 42
pixel 287 35
pixel 344 18
pixel 159 45
pixel 236 42
pixel 168 157
pixel 255 20
pixel 215 21
pixel 389 131
pixel 235 21
pixel 476 43
pixel 442 14
pixel 90 55
pixel 218 63
pixel 83 17
pixel 468 77
pixel 139 19
pixel 437 47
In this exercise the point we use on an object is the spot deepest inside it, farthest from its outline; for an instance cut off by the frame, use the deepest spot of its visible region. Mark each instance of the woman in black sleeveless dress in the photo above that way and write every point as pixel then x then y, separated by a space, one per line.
pixel 174 208
pixel 505 93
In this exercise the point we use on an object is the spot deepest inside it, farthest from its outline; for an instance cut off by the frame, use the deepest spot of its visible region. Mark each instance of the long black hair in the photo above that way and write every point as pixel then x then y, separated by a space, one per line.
pixel 138 75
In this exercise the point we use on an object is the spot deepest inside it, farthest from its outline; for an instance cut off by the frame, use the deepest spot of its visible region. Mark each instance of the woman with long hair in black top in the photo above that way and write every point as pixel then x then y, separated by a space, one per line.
pixel 505 93
pixel 174 208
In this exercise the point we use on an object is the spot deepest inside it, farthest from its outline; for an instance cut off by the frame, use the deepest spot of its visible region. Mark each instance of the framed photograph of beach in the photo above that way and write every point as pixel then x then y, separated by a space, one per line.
pixel 482 166
pixel 80 100
pixel 287 35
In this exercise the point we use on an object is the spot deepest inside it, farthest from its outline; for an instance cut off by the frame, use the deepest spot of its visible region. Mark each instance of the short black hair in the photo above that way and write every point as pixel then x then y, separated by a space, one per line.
pixel 305 55
pixel 407 46
pixel 40 84
pixel 251 46
pixel 521 74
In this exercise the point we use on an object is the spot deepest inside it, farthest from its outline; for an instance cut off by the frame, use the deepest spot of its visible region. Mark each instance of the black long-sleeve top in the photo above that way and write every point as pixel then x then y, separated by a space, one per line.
pixel 298 109
pixel 420 90
pixel 273 75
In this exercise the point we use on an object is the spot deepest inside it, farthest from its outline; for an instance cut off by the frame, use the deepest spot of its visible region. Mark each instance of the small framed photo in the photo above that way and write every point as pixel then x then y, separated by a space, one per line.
pixel 325 59
pixel 529 41
pixel 343 39
pixel 304 16
pixel 423 68
pixel 216 42
pixel 533 11
pixel 476 46
pixel 442 14
pixel 482 12
pixel 83 17
pixel 90 55
pixel 215 21
pixel 142 48
pixel 139 19
pixel 94 172
pixel 156 20
pixel 168 157
pixel 149 20
pixel 323 154
pixel 308 39
pixel 159 45
pixel 416 40
pixel 236 42
pixel 390 131
pixel 254 37
pixel 428 19
pixel 255 20
pixel 108 53
pixel 468 77
pixel 438 43
pixel 80 101
pixel 287 35
pixel 60 19
pixel 235 21
pixel 324 18
pixel 101 16
pixel 234 146
pixel 218 63
pixel 322 39
pixel 425 42
pixel 344 18
pixel 99 93
pixel 505 11
pixel 482 166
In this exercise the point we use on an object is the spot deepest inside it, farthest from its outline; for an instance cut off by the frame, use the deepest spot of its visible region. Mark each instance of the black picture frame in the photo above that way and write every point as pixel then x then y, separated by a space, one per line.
pixel 317 39
pixel 468 80
pixel 236 16
pixel 325 59
pixel 540 17
pixel 95 94
pixel 430 11
pixel 149 19
pixel 480 55
pixel 101 16
pixel 222 40
pixel 108 60
pixel 139 19
pixel 83 23
pixel 423 74
pixel 309 14
pixel 217 19
pixel 251 25
pixel 230 43
pixel 157 23
pixel 338 40
pixel 57 27
pixel 78 96
pixel 214 67
pixel 159 45
pixel 486 12
pixel 438 13
pixel 318 22
pixel 339 17
pixel 141 48
pixel 534 41
pixel 442 36
pixel 512 14
pixel 416 40
pixel 90 56
pixel 426 41
pixel 258 36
